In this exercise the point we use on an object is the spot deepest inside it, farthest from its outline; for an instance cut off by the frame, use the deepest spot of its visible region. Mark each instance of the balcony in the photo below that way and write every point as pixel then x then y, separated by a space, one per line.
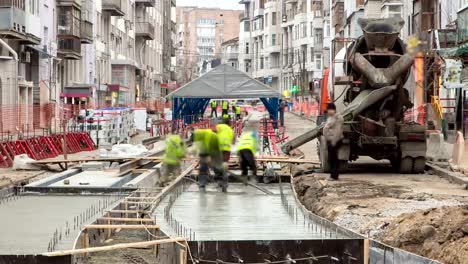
pixel 258 12
pixel 69 48
pixel 13 22
pixel 144 30
pixel 243 2
pixel 147 3
pixel 114 7
pixel 86 32
pixel 75 3
pixel 68 24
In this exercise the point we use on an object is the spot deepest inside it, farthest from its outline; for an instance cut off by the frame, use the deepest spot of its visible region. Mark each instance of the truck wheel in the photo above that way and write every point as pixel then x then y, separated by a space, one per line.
pixel 406 165
pixel 419 165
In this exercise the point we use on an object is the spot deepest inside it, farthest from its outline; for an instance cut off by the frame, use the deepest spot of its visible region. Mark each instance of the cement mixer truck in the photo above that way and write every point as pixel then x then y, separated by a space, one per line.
pixel 376 100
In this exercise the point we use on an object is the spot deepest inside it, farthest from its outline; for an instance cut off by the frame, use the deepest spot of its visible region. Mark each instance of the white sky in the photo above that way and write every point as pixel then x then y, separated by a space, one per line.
pixel 224 4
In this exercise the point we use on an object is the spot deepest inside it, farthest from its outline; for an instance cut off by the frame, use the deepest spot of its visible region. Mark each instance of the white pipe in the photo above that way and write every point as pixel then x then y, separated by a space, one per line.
pixel 15 57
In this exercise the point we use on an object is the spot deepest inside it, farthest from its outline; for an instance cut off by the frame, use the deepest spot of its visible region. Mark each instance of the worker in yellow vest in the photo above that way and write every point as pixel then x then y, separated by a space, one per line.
pixel 246 149
pixel 225 107
pixel 207 144
pixel 238 112
pixel 214 105
pixel 173 155
pixel 226 138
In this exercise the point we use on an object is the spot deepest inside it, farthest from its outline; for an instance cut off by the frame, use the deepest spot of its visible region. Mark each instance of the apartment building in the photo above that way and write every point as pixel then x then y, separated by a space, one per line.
pixel 200 34
pixel 109 52
pixel 285 43
pixel 230 51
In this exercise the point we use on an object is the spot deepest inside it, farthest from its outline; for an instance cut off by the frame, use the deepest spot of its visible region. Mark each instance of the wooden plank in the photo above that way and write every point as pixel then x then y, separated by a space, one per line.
pixel 127 211
pixel 366 251
pixel 284 159
pixel 113 247
pixel 141 198
pixel 96 226
pixel 132 202
pixel 127 219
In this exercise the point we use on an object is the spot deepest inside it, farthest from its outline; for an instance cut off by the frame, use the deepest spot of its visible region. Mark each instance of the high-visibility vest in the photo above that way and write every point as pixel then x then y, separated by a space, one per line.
pixel 225 105
pixel 206 141
pixel 238 110
pixel 225 137
pixel 247 141
pixel 175 150
pixel 214 104
pixel 226 116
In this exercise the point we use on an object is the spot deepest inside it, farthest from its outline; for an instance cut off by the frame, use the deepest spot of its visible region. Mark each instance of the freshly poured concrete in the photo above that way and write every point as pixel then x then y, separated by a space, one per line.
pixel 28 223
pixel 93 179
pixel 243 213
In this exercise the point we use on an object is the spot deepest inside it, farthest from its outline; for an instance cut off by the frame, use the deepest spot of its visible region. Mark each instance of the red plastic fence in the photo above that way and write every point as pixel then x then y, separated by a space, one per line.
pixel 266 130
pixel 43 147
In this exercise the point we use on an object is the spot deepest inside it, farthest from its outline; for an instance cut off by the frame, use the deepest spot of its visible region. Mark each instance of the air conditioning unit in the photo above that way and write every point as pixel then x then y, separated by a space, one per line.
pixel 25 56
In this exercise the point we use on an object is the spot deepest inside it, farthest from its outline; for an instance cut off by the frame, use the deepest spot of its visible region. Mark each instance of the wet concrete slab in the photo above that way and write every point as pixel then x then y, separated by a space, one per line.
pixel 93 179
pixel 28 222
pixel 243 213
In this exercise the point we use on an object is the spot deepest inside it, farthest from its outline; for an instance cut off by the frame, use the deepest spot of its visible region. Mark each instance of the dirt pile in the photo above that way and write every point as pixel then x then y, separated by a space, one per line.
pixel 401 216
pixel 439 233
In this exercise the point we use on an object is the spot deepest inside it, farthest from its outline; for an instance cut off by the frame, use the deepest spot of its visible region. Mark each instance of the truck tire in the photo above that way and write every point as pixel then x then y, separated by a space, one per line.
pixel 419 165
pixel 406 165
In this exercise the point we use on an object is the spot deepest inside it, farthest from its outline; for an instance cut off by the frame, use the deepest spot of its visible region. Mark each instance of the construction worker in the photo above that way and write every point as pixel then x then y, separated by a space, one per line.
pixel 246 149
pixel 333 133
pixel 226 138
pixel 214 105
pixel 209 153
pixel 175 151
pixel 225 107
pixel 238 112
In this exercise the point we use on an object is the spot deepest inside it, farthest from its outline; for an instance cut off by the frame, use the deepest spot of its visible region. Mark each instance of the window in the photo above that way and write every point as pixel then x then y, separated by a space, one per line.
pixel 261 62
pixel 266 41
pixel 246 26
pixel 318 61
pixel 312 54
pixel 273 39
pixel 266 19
pixel 247 48
pixel 318 37
pixel 273 18
pixel 392 10
pixel 46 36
pixel 304 30
pixel 326 25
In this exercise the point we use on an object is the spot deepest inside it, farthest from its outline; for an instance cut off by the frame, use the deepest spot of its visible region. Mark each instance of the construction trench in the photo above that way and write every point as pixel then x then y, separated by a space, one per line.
pixel 119 216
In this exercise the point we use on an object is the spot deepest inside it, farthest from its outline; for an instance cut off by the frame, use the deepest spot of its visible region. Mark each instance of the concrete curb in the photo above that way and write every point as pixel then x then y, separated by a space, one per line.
pixel 453 177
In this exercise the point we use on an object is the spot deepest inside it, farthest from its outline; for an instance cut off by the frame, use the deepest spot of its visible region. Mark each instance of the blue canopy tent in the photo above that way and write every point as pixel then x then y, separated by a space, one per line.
pixel 223 82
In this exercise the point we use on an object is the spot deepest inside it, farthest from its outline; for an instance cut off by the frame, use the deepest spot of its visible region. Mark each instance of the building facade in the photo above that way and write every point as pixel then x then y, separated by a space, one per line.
pixel 230 51
pixel 200 34
pixel 285 43
pixel 105 52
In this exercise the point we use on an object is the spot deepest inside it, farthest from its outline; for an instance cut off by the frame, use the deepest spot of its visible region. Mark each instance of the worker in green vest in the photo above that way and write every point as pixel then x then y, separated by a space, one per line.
pixel 173 155
pixel 214 105
pixel 246 149
pixel 225 107
pixel 238 112
pixel 226 138
pixel 209 152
